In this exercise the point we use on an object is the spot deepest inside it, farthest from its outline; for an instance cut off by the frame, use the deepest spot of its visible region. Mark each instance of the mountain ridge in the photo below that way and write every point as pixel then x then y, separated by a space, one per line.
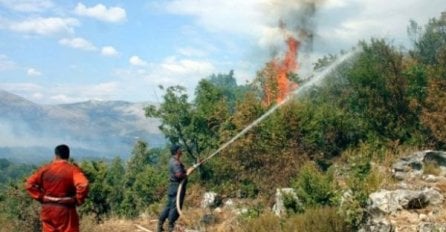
pixel 94 128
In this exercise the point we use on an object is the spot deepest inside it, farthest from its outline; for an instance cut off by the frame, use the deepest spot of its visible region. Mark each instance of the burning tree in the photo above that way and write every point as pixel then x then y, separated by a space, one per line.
pixel 275 77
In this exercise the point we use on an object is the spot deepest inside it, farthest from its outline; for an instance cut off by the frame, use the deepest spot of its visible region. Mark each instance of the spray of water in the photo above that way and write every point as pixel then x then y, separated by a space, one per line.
pixel 315 81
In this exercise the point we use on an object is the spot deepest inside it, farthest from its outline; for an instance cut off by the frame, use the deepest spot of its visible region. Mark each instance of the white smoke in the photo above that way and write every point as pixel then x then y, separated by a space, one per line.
pixel 18 134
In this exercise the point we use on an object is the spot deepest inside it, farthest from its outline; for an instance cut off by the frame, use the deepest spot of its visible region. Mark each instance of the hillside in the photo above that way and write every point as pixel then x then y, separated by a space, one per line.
pixel 29 131
pixel 409 196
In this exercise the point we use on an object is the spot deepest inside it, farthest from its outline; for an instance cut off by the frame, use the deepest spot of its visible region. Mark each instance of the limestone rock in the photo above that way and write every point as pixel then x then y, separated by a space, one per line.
pixel 438 157
pixel 409 166
pixel 279 207
pixel 377 225
pixel 229 204
pixel 429 227
pixel 388 202
pixel 210 199
pixel 413 165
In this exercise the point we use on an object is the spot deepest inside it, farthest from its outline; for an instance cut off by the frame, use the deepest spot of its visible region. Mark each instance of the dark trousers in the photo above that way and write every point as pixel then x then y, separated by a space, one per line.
pixel 170 211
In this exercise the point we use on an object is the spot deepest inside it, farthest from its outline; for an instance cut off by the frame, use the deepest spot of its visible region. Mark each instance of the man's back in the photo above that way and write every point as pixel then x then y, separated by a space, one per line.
pixel 58 179
pixel 59 186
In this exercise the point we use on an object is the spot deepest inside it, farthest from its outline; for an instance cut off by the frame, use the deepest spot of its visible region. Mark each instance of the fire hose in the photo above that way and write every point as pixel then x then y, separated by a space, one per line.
pixel 180 188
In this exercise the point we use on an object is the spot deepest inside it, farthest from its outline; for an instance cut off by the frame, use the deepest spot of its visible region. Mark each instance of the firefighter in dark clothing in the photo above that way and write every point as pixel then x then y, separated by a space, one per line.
pixel 177 173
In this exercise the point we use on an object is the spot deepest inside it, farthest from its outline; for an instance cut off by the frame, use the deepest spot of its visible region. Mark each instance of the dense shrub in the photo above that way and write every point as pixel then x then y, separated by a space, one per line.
pixel 315 188
pixel 18 210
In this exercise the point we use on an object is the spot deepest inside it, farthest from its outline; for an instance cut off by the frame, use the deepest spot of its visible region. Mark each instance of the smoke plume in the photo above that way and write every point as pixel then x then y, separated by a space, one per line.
pixel 292 19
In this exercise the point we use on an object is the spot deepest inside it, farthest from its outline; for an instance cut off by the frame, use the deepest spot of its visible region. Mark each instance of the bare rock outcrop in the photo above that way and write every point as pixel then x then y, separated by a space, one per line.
pixel 415 203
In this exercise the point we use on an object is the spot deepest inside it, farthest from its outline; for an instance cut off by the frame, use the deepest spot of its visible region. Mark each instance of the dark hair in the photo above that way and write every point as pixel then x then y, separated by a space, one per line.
pixel 63 151
pixel 174 149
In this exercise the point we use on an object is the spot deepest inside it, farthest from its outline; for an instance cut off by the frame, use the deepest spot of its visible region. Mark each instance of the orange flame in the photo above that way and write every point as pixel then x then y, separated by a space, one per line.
pixel 288 65
pixel 280 86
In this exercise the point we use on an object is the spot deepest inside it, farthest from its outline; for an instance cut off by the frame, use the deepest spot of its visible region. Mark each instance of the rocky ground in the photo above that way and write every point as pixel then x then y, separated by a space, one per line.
pixel 416 201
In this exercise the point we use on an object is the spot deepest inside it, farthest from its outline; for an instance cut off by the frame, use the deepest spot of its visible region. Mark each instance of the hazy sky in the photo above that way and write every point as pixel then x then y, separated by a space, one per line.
pixel 66 51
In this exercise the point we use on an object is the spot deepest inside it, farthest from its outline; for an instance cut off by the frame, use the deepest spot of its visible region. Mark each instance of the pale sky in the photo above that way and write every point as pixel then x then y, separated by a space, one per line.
pixel 65 51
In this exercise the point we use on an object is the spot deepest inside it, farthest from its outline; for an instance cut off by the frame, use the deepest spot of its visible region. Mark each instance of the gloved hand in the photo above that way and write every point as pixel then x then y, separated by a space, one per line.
pixel 190 170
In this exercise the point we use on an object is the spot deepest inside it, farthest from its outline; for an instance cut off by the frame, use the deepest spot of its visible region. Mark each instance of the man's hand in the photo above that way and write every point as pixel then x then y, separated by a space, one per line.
pixel 190 170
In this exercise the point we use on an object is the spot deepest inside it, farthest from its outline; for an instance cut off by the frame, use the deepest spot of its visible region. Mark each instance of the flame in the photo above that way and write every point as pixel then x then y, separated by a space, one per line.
pixel 288 65
pixel 280 85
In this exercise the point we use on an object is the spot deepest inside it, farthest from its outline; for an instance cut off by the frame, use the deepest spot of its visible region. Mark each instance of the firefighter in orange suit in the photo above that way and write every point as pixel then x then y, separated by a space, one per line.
pixel 59 186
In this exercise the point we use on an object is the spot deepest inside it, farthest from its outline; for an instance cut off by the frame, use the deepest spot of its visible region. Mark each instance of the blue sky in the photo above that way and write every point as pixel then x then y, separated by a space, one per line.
pixel 65 51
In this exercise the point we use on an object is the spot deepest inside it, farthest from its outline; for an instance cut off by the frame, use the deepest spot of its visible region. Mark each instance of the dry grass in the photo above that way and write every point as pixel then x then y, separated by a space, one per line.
pixel 441 185
pixel 194 195
pixel 384 156
pixel 388 157
pixel 229 223
pixel 431 168
pixel 225 221
pixel 441 216
pixel 191 218
pixel 116 225
pixel 320 219
pixel 6 225
pixel 325 219
pixel 264 223
pixel 380 177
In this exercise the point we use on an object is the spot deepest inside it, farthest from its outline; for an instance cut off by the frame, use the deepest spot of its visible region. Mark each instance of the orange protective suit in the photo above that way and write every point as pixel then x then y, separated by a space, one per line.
pixel 60 186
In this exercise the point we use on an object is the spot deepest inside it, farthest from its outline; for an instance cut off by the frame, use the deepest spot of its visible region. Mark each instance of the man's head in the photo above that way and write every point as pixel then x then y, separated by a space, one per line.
pixel 175 149
pixel 62 151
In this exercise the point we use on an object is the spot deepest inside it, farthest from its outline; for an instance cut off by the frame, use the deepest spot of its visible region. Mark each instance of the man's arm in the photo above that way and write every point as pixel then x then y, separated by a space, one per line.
pixel 33 185
pixel 81 184
pixel 180 175
pixel 179 171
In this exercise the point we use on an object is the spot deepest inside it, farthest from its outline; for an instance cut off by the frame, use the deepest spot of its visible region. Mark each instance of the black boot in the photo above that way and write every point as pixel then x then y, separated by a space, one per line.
pixel 171 227
pixel 160 227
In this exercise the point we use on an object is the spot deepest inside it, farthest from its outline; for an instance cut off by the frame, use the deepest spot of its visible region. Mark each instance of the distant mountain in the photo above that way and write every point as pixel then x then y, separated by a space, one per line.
pixel 29 131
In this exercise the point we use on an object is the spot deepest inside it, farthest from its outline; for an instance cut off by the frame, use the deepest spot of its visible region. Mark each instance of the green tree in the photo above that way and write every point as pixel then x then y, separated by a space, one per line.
pixel 323 62
pixel 97 202
pixel 136 164
pixel 373 88
pixel 314 187
pixel 430 51
pixel 11 172
pixel 150 187
pixel 266 82
pixel 325 130
pixel 144 183
pixel 434 110
pixel 228 86
pixel 114 180
pixel 176 115
pixel 211 112
pixel 195 125
pixel 139 158
pixel 251 163
pixel 19 209
pixel 428 41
